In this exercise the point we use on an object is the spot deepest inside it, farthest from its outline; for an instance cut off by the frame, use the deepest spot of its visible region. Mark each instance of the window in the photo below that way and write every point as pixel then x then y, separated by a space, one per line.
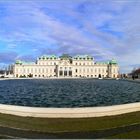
pixel 60 72
pixel 70 73
pixel 65 73
pixel 76 70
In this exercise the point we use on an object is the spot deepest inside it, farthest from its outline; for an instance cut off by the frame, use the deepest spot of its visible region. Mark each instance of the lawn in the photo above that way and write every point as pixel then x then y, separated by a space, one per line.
pixel 73 125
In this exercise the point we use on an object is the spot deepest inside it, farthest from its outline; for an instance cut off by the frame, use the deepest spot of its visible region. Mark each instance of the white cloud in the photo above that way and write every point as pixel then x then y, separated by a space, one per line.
pixel 32 22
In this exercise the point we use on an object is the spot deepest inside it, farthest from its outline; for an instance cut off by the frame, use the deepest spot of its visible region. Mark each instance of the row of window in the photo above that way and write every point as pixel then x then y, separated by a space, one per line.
pixel 47 63
pixel 65 68
pixel 44 70
pixel 91 70
pixel 56 63
pixel 83 63
pixel 35 70
pixel 61 74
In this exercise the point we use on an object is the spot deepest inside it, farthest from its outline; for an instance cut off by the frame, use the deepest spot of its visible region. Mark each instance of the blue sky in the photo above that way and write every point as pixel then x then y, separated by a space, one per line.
pixel 105 29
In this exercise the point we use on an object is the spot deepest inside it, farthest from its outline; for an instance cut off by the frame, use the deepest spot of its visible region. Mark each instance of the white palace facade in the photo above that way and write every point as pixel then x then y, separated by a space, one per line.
pixel 66 66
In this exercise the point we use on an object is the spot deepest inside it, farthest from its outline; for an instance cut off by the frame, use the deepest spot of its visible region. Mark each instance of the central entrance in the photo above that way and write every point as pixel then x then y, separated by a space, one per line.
pixel 65 73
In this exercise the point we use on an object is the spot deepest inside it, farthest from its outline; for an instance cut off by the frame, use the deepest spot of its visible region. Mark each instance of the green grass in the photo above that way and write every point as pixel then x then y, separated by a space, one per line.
pixel 5 137
pixel 128 135
pixel 64 125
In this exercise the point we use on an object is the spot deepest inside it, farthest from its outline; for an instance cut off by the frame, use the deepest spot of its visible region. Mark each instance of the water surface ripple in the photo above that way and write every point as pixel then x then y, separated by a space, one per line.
pixel 68 92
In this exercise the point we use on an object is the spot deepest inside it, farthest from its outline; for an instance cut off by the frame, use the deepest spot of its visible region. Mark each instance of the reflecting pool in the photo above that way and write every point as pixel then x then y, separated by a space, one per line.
pixel 68 92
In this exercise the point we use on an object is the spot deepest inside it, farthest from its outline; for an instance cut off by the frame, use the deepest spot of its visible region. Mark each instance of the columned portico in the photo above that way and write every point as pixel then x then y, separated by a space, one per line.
pixel 64 72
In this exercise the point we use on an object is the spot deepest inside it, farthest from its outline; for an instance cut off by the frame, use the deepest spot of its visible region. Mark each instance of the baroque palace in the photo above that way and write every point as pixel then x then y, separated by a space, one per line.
pixel 66 66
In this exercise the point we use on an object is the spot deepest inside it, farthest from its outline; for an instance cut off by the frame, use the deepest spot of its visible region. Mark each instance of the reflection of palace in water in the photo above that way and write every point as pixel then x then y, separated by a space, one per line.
pixel 66 66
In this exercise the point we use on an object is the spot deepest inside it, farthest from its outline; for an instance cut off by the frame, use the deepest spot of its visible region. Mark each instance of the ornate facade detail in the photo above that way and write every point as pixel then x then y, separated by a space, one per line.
pixel 66 66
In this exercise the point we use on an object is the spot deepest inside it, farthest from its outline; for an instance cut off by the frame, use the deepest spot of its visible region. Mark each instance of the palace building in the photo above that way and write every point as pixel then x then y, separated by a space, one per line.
pixel 66 66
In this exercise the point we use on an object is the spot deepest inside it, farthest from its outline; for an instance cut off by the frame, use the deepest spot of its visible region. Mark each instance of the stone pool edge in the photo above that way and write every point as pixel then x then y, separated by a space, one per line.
pixel 83 112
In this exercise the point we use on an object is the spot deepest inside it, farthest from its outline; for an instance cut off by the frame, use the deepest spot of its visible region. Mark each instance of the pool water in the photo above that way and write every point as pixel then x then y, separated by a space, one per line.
pixel 68 92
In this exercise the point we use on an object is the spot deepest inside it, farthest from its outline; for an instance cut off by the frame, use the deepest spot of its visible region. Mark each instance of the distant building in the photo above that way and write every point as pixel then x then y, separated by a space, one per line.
pixel 66 66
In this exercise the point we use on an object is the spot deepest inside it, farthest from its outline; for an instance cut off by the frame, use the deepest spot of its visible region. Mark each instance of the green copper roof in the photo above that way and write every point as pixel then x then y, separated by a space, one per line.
pixel 18 62
pixel 65 56
pixel 102 63
pixel 45 57
pixel 113 61
pixel 82 57
pixel 24 63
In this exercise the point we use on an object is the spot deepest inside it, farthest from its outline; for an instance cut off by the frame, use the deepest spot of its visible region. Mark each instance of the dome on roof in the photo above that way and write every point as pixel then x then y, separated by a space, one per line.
pixel 65 56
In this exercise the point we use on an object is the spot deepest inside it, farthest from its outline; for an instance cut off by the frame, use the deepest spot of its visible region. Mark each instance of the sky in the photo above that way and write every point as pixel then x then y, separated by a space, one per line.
pixel 104 29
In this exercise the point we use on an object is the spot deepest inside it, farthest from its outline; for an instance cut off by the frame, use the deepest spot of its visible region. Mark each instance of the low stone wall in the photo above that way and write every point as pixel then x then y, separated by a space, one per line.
pixel 83 112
